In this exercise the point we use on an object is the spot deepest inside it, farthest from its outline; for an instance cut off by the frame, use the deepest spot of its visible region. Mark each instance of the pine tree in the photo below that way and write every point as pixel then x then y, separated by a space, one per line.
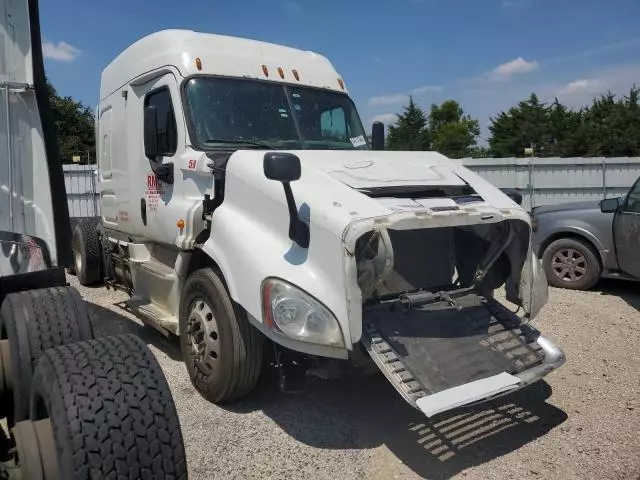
pixel 410 130
pixel 452 132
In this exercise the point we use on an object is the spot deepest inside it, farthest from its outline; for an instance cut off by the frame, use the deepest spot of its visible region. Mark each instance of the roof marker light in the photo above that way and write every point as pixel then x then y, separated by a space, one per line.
pixel 296 75
pixel 281 72
pixel 341 83
pixel 265 70
pixel 198 64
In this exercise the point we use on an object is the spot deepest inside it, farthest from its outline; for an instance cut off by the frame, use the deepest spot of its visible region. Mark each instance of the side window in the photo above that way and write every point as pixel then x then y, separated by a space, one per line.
pixel 167 131
pixel 633 199
pixel 333 125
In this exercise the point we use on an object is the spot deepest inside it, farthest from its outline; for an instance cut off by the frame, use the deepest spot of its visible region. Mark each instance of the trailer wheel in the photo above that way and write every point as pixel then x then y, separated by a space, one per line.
pixel 30 323
pixel 110 409
pixel 222 351
pixel 86 252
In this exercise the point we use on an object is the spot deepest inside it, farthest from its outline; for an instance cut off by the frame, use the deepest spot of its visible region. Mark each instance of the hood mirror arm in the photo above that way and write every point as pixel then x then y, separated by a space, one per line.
pixel 285 168
pixel 298 230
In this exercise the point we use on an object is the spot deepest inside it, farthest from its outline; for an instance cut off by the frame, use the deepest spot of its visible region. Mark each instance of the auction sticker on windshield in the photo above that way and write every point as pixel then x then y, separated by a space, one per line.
pixel 358 141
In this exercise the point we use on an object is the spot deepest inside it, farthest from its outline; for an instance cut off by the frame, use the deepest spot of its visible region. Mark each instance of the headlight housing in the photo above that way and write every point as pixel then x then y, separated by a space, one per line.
pixel 295 314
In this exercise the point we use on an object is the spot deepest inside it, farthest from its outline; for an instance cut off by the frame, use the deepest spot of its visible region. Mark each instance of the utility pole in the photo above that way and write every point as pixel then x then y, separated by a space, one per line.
pixel 531 152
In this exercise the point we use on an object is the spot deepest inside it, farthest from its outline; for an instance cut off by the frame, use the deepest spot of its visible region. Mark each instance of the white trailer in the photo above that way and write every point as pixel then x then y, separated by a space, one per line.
pixel 76 407
pixel 242 206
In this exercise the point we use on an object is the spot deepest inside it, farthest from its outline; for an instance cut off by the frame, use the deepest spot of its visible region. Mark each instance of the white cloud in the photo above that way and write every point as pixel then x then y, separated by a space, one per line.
pixel 586 86
pixel 385 118
pixel 62 52
pixel 392 99
pixel 427 89
pixel 517 66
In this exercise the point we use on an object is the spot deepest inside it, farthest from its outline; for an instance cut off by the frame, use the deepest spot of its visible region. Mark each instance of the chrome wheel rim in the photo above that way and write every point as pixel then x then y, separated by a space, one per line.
pixel 203 335
pixel 77 255
pixel 569 265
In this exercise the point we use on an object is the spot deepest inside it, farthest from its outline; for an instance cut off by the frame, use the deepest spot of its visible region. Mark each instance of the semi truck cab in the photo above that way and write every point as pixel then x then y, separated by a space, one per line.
pixel 243 207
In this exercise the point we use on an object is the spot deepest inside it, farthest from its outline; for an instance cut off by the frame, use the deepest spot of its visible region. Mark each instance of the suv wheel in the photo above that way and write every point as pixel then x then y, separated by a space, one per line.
pixel 571 263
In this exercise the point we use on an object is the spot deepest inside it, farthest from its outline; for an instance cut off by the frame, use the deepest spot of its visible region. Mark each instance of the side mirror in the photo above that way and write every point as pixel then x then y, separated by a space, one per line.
pixel 151 147
pixel 282 167
pixel 377 136
pixel 285 168
pixel 513 194
pixel 609 205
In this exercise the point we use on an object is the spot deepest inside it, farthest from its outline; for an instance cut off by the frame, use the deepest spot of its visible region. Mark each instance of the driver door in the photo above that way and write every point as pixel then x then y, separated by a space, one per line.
pixel 626 232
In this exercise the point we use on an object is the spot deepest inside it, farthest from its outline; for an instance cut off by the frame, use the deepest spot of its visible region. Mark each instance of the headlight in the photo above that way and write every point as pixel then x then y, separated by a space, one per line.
pixel 297 315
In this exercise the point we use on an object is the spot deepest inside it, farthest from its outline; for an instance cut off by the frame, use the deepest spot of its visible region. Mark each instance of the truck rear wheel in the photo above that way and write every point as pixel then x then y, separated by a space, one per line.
pixel 30 323
pixel 86 252
pixel 110 411
pixel 222 351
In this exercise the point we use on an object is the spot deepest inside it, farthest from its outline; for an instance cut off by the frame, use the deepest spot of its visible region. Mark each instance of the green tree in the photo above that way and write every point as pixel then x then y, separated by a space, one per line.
pixel 522 126
pixel 453 133
pixel 611 127
pixel 410 130
pixel 75 127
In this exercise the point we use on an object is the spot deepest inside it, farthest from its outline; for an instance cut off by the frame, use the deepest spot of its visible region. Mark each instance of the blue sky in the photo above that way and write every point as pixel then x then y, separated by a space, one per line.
pixel 487 54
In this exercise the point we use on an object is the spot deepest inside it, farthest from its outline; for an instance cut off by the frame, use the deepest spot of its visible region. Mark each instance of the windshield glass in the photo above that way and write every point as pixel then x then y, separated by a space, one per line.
pixel 248 113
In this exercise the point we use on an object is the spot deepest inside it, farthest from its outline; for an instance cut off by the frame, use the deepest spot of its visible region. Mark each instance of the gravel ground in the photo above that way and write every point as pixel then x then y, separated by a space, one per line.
pixel 583 421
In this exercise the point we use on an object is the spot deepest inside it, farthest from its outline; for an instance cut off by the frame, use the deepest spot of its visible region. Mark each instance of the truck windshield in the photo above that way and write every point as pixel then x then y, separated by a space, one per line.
pixel 226 112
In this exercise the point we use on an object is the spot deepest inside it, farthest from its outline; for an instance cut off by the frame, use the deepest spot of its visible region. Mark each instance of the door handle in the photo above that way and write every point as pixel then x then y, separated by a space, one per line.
pixel 143 211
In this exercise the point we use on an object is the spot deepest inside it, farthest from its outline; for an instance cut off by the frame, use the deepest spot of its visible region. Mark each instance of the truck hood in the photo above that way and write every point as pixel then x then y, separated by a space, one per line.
pixel 332 192
pixel 366 169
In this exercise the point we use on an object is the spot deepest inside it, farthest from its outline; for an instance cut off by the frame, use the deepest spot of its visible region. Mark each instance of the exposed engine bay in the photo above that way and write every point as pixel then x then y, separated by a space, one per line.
pixel 401 263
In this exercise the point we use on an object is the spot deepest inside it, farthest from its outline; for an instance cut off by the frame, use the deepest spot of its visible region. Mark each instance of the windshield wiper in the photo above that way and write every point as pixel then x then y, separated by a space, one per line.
pixel 241 142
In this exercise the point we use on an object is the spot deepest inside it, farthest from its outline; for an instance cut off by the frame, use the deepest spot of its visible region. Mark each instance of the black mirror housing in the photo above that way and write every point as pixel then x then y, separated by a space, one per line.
pixel 513 194
pixel 151 149
pixel 377 136
pixel 285 168
pixel 282 167
pixel 610 205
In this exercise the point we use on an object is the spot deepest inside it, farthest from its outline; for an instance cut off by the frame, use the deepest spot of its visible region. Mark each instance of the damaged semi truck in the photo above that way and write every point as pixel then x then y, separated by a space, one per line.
pixel 243 209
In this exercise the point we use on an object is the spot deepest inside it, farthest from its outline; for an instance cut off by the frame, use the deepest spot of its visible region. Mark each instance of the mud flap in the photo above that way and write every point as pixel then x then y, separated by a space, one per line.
pixel 442 356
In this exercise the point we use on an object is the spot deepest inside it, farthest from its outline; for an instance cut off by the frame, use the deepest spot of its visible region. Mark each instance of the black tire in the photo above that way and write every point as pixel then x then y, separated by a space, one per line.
pixel 238 363
pixel 586 268
pixel 111 411
pixel 34 321
pixel 86 253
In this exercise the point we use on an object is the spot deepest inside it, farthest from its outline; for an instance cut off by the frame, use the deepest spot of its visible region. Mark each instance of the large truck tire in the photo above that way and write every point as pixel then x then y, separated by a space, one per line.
pixel 86 252
pixel 31 322
pixel 221 349
pixel 110 410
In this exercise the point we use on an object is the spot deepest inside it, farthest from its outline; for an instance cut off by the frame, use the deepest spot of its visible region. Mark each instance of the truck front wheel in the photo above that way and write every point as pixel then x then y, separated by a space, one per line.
pixel 222 351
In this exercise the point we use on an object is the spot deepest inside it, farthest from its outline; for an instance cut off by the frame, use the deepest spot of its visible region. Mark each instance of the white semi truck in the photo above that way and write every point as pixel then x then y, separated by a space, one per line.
pixel 244 210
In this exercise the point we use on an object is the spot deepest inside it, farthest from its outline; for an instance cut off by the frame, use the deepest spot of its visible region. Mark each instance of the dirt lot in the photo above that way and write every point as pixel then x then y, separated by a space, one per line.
pixel 582 422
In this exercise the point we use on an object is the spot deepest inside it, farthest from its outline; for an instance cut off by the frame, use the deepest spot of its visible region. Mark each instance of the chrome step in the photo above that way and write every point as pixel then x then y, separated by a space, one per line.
pixel 152 314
